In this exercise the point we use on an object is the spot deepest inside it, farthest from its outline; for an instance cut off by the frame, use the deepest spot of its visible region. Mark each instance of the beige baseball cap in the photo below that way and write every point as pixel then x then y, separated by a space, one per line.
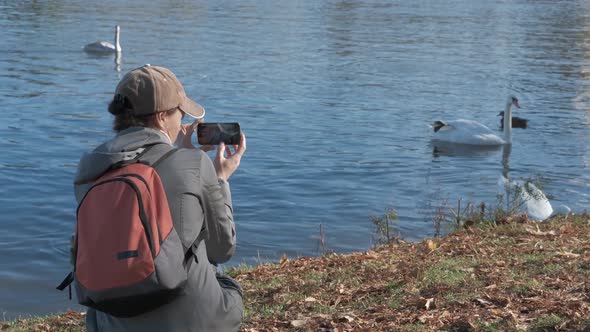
pixel 151 89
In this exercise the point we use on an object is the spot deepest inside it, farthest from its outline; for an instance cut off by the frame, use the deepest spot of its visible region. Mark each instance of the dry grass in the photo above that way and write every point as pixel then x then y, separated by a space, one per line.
pixel 516 276
pixel 513 276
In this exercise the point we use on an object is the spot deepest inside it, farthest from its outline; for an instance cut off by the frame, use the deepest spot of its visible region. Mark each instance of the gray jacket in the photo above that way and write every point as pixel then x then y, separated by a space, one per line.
pixel 198 201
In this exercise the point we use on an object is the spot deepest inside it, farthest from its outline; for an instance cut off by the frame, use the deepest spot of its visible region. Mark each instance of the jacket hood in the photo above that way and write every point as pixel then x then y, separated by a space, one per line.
pixel 126 145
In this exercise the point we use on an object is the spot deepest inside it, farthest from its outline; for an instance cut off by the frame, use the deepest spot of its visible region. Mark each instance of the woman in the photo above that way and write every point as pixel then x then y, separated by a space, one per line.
pixel 148 106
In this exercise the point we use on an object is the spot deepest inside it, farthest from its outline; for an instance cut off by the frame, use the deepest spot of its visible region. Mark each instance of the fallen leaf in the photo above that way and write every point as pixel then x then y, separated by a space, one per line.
pixel 568 254
pixel 284 259
pixel 431 244
pixel 483 302
pixel 298 323
pixel 310 299
pixel 539 232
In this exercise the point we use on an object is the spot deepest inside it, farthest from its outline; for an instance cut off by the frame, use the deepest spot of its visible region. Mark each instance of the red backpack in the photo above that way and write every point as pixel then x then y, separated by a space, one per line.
pixel 128 258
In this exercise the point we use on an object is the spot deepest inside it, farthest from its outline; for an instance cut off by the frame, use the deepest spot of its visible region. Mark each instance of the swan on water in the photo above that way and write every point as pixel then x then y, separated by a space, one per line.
pixel 472 132
pixel 105 47
pixel 516 121
pixel 526 198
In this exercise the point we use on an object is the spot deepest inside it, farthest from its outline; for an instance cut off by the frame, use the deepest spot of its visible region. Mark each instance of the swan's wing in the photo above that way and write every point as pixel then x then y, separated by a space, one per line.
pixel 99 46
pixel 529 199
pixel 471 126
pixel 487 139
pixel 536 203
pixel 466 132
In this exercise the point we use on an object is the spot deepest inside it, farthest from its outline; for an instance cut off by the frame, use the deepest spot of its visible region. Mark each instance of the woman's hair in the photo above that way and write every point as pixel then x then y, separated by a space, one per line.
pixel 122 109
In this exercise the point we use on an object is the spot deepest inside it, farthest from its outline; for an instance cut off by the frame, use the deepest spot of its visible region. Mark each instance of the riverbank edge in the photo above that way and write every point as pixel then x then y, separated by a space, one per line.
pixel 510 275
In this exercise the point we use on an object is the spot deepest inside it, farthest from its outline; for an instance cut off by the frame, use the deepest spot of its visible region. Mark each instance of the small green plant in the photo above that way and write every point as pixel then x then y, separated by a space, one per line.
pixel 455 218
pixel 385 227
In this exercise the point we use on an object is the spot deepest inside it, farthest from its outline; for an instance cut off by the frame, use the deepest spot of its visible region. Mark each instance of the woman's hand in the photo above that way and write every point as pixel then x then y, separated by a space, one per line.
pixel 185 135
pixel 225 166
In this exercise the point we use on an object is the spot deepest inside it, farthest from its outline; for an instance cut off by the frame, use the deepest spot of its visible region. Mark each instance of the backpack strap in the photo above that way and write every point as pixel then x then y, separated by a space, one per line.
pixel 192 250
pixel 163 157
pixel 67 283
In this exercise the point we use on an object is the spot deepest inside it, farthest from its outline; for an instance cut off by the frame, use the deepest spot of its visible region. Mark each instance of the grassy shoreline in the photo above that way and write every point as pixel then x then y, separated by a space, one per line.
pixel 514 275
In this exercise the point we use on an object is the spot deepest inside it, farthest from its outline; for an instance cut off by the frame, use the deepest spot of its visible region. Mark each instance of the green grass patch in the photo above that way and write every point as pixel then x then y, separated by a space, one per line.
pixel 269 310
pixel 459 298
pixel 546 323
pixel 448 273
pixel 414 327
pixel 527 288
pixel 495 326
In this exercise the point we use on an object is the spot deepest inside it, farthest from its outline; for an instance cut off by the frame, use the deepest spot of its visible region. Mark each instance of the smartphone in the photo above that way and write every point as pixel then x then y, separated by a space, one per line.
pixel 213 133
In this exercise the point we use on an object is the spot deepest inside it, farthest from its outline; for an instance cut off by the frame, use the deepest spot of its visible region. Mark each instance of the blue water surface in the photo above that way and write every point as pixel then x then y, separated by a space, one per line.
pixel 335 98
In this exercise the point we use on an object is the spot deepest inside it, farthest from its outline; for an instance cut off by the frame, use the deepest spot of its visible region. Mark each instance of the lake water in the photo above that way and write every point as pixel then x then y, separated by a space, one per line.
pixel 335 98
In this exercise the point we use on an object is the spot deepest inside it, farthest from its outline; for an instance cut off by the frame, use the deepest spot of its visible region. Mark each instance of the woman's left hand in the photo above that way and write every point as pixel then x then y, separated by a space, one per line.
pixel 185 135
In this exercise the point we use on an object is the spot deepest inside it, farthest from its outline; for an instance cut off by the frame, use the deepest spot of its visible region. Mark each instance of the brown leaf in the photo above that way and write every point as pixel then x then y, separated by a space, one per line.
pixel 42 328
pixel 431 244
pixel 284 259
pixel 568 254
pixel 298 323
pixel 538 232
pixel 483 302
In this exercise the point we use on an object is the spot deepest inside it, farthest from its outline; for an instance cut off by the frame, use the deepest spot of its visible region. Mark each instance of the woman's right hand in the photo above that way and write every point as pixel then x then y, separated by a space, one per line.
pixel 225 166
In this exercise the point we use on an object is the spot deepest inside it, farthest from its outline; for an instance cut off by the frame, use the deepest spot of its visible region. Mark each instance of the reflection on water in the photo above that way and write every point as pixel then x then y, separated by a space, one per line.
pixel 441 148
pixel 334 96
pixel 506 150
pixel 118 61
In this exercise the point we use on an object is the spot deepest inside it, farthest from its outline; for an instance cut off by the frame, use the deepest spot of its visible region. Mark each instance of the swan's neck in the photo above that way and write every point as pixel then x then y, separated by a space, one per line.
pixel 508 123
pixel 117 45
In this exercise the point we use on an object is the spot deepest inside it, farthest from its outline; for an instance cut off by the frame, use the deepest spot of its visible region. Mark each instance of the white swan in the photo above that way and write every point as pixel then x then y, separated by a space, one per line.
pixel 527 198
pixel 474 133
pixel 105 47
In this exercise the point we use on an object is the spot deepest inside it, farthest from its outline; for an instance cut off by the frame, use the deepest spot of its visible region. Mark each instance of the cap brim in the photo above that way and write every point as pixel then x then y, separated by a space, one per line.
pixel 191 108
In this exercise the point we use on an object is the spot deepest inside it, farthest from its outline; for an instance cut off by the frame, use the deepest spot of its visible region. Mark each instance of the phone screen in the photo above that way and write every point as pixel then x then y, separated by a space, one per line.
pixel 213 133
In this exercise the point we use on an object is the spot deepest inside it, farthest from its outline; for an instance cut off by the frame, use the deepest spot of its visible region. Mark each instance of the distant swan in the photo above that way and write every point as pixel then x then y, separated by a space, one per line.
pixel 528 198
pixel 105 47
pixel 516 121
pixel 471 132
